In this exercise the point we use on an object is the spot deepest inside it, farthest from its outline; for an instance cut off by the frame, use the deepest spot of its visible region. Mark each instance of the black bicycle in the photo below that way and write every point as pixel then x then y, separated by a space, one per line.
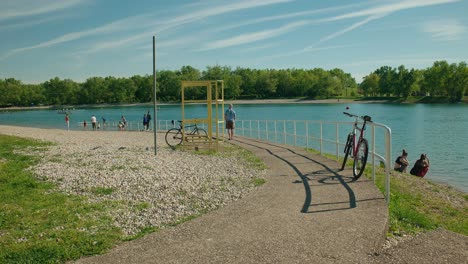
pixel 359 146
pixel 175 136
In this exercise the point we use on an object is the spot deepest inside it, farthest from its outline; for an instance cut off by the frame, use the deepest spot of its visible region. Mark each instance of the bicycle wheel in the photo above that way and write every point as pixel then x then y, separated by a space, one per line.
pixel 173 137
pixel 360 159
pixel 200 132
pixel 347 149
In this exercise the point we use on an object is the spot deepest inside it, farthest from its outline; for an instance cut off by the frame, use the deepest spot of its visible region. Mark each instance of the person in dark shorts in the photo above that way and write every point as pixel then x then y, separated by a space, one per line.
pixel 230 118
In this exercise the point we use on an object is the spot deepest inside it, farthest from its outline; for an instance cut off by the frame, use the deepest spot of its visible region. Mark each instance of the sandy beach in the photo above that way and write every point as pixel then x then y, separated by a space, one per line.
pixel 150 190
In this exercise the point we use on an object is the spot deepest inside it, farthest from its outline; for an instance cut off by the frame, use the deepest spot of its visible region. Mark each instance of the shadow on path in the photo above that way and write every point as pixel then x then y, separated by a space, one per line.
pixel 305 177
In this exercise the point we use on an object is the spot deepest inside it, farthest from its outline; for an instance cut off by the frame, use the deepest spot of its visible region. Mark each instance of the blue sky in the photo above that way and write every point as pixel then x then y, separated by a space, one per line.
pixel 78 39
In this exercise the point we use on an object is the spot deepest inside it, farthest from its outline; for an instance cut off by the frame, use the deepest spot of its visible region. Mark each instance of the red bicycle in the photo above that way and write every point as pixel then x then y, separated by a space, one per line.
pixel 357 147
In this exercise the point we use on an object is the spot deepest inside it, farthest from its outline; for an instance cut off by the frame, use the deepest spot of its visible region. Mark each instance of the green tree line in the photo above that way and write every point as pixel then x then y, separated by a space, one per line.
pixel 442 79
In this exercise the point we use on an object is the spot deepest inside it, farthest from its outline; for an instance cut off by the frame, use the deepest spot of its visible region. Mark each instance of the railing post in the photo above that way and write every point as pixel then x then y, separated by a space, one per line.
pixel 250 128
pixel 258 129
pixel 373 153
pixel 294 126
pixel 275 132
pixel 337 140
pixel 284 131
pixel 388 156
pixel 321 137
pixel 243 128
pixel 307 133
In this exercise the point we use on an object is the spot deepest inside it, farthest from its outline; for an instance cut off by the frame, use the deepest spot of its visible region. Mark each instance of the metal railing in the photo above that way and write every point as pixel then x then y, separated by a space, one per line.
pixel 323 136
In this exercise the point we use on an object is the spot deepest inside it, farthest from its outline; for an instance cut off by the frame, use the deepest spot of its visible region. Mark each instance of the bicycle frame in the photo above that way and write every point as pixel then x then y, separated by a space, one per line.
pixel 183 127
pixel 361 134
pixel 357 128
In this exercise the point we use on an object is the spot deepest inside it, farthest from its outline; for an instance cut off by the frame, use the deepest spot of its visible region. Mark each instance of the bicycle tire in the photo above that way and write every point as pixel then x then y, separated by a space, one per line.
pixel 173 137
pixel 360 160
pixel 200 131
pixel 347 149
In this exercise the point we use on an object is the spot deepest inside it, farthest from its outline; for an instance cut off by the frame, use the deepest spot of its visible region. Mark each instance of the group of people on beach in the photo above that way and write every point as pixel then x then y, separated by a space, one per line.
pixel 420 168
pixel 94 123
pixel 229 118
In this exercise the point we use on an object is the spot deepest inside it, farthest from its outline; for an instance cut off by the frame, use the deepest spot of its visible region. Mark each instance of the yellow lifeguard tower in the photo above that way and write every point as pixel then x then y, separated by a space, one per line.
pixel 214 94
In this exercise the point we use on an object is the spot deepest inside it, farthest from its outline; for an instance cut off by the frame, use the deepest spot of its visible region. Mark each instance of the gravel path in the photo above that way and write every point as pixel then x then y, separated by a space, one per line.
pixel 151 191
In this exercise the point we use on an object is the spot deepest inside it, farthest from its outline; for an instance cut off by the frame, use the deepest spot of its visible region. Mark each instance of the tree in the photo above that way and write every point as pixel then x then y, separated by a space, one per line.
pixel 249 80
pixel 457 81
pixel 94 91
pixel 60 92
pixel 387 76
pixel 370 84
pixel 266 86
pixel 188 73
pixel 169 85
pixel 144 88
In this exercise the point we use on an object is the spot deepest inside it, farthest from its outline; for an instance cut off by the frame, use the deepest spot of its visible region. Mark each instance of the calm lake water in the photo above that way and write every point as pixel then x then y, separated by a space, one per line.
pixel 440 130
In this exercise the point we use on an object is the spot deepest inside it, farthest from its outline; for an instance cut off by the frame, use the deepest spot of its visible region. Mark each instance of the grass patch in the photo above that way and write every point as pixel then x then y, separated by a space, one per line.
pixel 117 167
pixel 417 204
pixel 102 191
pixel 258 181
pixel 38 224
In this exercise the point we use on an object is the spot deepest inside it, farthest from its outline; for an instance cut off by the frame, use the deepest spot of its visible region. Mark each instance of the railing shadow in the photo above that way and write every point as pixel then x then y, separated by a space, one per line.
pixel 304 177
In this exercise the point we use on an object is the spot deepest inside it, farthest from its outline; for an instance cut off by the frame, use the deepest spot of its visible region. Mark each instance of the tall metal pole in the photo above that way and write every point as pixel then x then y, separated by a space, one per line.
pixel 154 97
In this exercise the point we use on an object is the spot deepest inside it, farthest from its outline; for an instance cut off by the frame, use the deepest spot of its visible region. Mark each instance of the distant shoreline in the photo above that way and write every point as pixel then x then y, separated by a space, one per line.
pixel 238 102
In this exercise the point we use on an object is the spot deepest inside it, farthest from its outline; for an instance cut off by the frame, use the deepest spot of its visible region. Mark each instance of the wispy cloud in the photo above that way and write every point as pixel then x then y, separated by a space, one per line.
pixel 24 8
pixel 371 14
pixel 31 23
pixel 135 22
pixel 222 9
pixel 288 16
pixel 304 50
pixel 124 24
pixel 254 37
pixel 389 8
pixel 444 30
pixel 350 28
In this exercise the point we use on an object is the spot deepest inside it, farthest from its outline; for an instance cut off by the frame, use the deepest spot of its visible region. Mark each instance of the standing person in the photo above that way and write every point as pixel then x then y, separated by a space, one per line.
pixel 401 163
pixel 230 118
pixel 93 122
pixel 148 120
pixel 124 122
pixel 84 124
pixel 145 121
pixel 67 120
pixel 103 121
pixel 421 166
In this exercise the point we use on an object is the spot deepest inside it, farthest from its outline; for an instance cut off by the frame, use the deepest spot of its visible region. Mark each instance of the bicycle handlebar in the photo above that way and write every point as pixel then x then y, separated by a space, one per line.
pixel 365 118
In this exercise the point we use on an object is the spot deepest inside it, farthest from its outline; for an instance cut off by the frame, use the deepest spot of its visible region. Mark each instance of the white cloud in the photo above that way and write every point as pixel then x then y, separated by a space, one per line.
pixel 23 8
pixel 352 27
pixel 254 37
pixel 287 16
pixel 132 23
pixel 389 8
pixel 444 30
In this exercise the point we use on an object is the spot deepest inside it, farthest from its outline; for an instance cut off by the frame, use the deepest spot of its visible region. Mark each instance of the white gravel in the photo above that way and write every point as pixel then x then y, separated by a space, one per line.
pixel 151 191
